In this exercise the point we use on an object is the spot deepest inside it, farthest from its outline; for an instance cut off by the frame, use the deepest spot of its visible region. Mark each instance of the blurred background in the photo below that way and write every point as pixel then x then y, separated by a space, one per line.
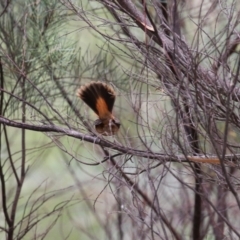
pixel 175 68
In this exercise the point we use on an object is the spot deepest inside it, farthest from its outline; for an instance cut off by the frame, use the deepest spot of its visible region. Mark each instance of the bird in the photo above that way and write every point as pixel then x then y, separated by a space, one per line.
pixel 100 97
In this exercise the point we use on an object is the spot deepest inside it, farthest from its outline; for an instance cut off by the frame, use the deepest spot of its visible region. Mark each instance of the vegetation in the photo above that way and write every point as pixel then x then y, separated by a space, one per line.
pixel 172 172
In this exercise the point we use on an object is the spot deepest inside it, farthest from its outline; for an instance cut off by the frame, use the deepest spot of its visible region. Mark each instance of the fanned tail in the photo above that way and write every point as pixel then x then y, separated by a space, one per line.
pixel 99 96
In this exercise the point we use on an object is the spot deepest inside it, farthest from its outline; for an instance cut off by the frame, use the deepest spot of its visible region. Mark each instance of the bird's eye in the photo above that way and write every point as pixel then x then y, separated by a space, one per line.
pixel 117 122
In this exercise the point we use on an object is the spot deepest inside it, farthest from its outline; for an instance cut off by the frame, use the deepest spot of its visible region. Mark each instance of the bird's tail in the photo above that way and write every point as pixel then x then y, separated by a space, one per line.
pixel 99 96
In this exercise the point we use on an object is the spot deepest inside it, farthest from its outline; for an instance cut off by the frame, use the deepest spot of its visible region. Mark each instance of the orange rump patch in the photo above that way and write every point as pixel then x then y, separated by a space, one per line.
pixel 102 108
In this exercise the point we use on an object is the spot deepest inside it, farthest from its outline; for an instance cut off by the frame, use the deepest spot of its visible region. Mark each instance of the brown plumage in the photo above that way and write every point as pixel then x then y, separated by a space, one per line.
pixel 100 97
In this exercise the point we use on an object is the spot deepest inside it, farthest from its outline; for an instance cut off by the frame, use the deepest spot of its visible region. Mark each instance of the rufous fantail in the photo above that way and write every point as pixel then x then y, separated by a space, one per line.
pixel 100 97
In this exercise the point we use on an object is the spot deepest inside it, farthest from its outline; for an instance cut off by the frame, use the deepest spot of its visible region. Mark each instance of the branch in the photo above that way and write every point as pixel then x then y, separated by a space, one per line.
pixel 135 13
pixel 99 140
